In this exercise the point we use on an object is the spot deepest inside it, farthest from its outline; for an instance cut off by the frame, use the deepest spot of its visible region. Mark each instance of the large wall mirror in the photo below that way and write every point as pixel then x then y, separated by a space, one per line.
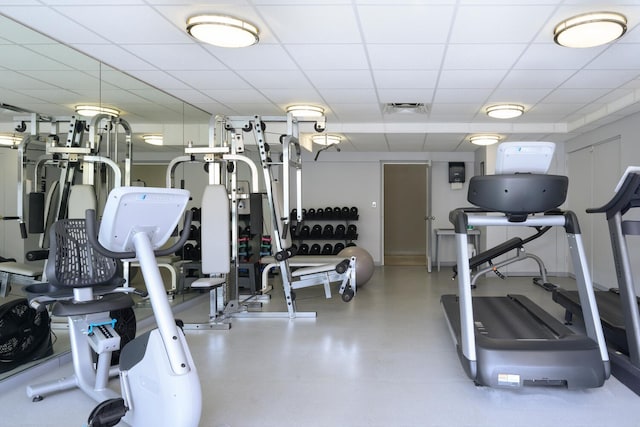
pixel 40 75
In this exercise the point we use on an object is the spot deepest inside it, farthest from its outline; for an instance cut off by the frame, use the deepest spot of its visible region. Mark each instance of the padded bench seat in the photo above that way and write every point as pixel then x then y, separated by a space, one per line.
pixel 11 268
pixel 306 264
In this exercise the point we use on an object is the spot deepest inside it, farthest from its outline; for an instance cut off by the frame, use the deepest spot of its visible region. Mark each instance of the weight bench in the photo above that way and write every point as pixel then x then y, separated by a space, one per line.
pixel 307 266
pixel 10 269
pixel 516 243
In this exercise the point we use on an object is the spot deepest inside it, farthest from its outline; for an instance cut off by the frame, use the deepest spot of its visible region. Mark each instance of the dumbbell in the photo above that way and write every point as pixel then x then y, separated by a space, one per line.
pixel 337 212
pixel 353 213
pixel 337 248
pixel 304 249
pixel 340 231
pixel 352 231
pixel 315 249
pixel 327 249
pixel 327 232
pixel 316 231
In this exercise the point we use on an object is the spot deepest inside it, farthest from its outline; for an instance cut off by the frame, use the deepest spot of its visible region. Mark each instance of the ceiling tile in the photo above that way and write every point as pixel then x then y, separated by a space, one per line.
pixel 535 79
pixel 471 79
pixel 138 24
pixel 500 56
pixel 401 79
pixel 210 79
pixel 341 96
pixel 341 79
pixel 262 56
pixel 283 79
pixel 498 24
pixel 405 24
pixel 550 56
pixel 184 57
pixel 329 56
pixel 406 56
pixel 323 24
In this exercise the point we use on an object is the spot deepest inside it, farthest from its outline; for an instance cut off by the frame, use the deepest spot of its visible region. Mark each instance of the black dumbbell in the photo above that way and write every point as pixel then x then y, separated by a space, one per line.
pixel 327 249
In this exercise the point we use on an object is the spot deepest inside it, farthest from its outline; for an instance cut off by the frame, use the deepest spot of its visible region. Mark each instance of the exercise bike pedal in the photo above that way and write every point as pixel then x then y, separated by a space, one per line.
pixel 108 413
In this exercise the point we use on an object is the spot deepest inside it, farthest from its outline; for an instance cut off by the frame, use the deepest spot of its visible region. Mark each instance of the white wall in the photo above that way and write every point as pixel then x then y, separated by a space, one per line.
pixel 625 131
pixel 355 179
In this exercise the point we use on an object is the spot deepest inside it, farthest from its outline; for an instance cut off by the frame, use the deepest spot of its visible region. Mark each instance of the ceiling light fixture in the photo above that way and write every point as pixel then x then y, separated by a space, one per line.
pixel 590 29
pixel 94 110
pixel 505 111
pixel 305 111
pixel 326 139
pixel 9 139
pixel 222 31
pixel 153 139
pixel 484 139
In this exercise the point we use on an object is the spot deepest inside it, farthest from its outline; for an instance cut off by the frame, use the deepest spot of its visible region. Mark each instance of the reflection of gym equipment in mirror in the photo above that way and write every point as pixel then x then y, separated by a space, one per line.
pixel 74 173
pixel 509 341
pixel 619 307
pixel 85 274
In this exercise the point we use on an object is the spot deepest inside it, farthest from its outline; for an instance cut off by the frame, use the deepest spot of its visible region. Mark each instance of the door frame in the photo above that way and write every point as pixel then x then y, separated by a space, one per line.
pixel 429 215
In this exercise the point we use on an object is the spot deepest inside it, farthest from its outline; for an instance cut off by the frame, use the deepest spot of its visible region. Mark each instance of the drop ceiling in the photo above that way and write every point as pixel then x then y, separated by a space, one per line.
pixel 350 56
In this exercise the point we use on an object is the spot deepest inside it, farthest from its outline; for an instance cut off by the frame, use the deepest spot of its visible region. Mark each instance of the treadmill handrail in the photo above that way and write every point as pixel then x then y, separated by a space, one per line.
pixel 624 199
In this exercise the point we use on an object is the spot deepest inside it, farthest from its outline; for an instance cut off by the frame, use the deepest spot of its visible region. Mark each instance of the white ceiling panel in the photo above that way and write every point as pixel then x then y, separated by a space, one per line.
pixel 535 79
pixel 263 57
pixel 184 57
pixel 470 79
pixel 405 23
pixel 406 56
pixel 482 56
pixel 341 79
pixel 125 25
pixel 406 79
pixel 489 23
pixel 329 56
pixel 312 24
pixel 283 79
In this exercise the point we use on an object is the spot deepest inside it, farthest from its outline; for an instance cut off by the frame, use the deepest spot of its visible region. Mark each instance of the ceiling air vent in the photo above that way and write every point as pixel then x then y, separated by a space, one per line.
pixel 406 108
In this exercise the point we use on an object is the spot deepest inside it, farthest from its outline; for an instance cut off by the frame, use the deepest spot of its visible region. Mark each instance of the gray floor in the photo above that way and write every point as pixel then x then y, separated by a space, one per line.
pixel 384 359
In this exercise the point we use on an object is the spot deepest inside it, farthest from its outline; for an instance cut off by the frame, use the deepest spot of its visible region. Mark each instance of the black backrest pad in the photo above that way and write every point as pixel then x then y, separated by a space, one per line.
pixel 74 263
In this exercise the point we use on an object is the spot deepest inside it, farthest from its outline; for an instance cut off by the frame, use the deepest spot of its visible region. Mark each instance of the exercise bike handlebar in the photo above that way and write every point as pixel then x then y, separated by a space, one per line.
pixel 92 237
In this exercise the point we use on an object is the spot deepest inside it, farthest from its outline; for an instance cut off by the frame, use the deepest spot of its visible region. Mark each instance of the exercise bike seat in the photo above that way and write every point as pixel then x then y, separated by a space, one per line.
pixel 73 263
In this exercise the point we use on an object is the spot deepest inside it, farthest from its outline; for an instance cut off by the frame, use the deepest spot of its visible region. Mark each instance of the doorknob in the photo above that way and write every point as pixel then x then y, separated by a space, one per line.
pixel 429 218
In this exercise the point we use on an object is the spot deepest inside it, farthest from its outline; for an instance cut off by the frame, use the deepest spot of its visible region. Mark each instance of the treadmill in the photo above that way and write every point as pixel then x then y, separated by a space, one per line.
pixel 509 341
pixel 618 307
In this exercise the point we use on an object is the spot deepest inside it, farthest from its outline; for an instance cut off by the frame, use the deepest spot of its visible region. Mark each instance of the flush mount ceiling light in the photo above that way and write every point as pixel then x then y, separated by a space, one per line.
pixel 222 31
pixel 153 139
pixel 9 139
pixel 94 110
pixel 590 29
pixel 484 139
pixel 305 111
pixel 326 139
pixel 505 111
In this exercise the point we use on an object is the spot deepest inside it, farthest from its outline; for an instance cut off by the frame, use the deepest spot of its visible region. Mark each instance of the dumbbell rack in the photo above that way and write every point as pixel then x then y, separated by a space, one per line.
pixel 322 229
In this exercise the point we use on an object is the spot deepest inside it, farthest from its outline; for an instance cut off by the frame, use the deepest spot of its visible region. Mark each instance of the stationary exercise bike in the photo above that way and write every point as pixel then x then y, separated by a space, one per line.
pixel 158 379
